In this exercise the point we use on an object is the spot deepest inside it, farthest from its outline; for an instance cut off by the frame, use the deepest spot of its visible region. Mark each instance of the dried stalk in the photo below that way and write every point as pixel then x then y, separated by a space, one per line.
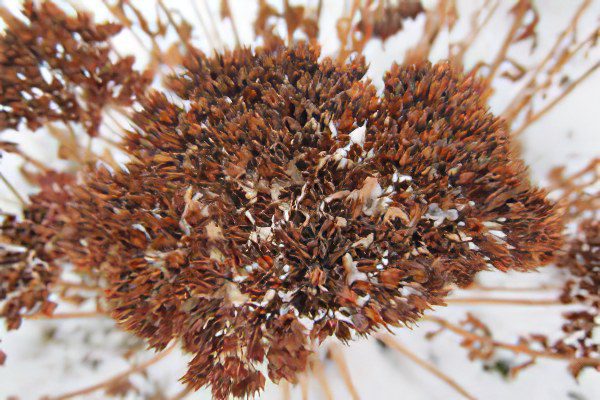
pixel 520 11
pixel 106 383
pixel 13 190
pixel 337 355
pixel 389 341
pixel 71 315
pixel 539 114
pixel 319 372
pixel 501 302
pixel 515 348
pixel 476 27
pixel 525 95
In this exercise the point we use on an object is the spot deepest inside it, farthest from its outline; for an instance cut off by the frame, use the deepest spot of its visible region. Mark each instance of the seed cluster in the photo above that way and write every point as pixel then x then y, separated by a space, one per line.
pixel 29 255
pixel 56 67
pixel 582 261
pixel 388 19
pixel 277 200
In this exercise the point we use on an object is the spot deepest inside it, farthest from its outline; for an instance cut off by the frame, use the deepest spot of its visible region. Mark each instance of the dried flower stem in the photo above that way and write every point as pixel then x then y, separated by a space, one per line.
pixel 80 286
pixel 285 390
pixel 476 27
pixel 72 315
pixel 28 159
pixel 319 373
pixel 175 25
pixel 496 301
pixel 303 385
pixel 520 11
pixel 213 26
pixel 133 370
pixel 485 288
pixel 182 394
pixel 12 189
pixel 389 341
pixel 536 116
pixel 344 31
pixel 337 355
pixel 227 12
pixel 523 349
pixel 526 93
pixel 207 33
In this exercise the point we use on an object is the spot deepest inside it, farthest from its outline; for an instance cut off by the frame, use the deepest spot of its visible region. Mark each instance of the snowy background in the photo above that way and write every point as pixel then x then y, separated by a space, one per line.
pixel 53 357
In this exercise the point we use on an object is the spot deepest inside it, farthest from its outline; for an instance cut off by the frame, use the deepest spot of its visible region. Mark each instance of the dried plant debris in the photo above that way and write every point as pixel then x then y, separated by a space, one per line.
pixel 582 261
pixel 278 200
pixel 57 67
pixel 296 19
pixel 388 18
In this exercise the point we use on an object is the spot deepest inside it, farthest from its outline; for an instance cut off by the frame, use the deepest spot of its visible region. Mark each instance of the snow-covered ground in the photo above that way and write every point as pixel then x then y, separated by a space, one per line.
pixel 52 357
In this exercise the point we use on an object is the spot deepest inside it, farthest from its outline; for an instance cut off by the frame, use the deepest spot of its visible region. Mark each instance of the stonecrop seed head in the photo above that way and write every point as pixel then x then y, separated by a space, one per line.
pixel 274 199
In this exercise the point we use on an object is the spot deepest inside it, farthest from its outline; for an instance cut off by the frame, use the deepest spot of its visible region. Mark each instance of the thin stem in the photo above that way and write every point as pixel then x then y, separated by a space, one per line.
pixel 127 24
pixel 73 315
pixel 303 385
pixel 182 394
pixel 202 24
pixel 500 302
pixel 319 373
pixel 213 26
pixel 119 377
pixel 13 190
pixel 169 15
pixel 394 344
pixel 27 158
pixel 236 35
pixel 476 28
pixel 285 390
pixel 485 288
pixel 520 11
pixel 337 355
pixel 76 285
pixel 533 118
pixel 494 343
pixel 524 94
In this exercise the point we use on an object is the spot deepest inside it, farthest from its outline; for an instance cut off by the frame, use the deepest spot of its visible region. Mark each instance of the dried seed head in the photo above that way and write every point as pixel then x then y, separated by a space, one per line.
pixel 56 67
pixel 30 251
pixel 279 200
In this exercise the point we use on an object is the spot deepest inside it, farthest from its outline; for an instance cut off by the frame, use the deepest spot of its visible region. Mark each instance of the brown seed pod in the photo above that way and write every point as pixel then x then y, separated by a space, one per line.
pixel 278 200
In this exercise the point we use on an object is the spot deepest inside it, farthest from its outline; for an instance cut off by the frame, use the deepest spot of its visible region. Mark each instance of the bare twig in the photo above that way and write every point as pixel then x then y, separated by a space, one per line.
pixel 319 373
pixel 106 383
pixel 72 315
pixel 12 189
pixel 389 341
pixel 337 355
pixel 500 302
pixel 539 114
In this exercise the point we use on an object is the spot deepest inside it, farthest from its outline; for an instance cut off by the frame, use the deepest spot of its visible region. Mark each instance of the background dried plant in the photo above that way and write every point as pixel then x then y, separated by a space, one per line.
pixel 63 73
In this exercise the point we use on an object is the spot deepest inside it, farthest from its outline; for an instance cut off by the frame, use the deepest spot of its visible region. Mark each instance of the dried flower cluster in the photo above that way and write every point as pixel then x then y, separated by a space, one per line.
pixel 582 260
pixel 274 198
pixel 281 201
pixel 388 18
pixel 29 257
pixel 56 67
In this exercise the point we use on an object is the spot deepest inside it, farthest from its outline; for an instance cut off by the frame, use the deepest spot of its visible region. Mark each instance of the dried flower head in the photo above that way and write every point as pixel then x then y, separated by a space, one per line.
pixel 582 260
pixel 388 18
pixel 56 67
pixel 29 254
pixel 279 200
